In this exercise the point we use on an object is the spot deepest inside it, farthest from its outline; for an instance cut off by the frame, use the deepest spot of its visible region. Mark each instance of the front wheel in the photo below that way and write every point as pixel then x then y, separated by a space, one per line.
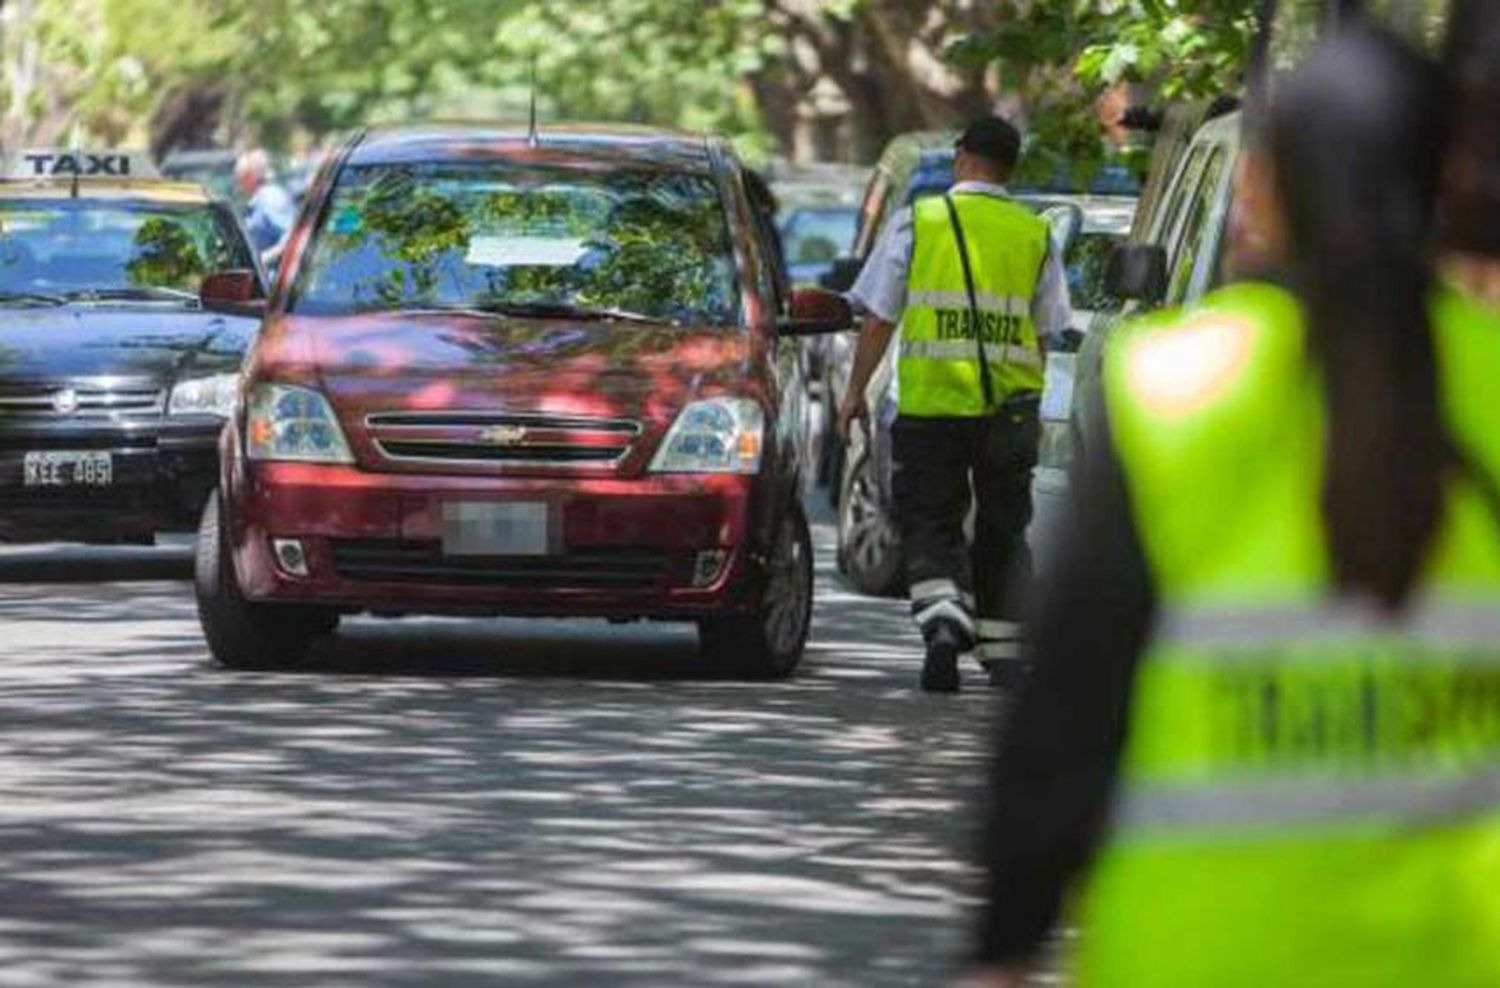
pixel 242 634
pixel 770 643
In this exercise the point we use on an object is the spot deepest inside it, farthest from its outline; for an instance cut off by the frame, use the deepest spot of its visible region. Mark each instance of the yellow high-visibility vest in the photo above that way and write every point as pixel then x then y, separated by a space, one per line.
pixel 1310 793
pixel 938 365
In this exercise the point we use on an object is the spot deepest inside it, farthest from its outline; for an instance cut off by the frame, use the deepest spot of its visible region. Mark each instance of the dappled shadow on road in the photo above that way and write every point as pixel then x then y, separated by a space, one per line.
pixel 523 803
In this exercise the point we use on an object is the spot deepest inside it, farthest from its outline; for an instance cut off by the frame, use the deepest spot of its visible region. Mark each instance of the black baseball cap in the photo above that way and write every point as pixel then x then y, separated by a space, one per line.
pixel 993 138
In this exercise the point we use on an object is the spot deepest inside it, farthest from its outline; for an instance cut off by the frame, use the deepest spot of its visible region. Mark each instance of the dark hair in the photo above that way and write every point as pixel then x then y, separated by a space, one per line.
pixel 994 139
pixel 1356 134
pixel 1470 219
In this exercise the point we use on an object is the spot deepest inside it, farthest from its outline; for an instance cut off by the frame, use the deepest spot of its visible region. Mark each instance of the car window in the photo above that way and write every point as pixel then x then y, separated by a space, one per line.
pixel 1085 264
pixel 1191 240
pixel 818 235
pixel 62 246
pixel 492 234
pixel 1180 194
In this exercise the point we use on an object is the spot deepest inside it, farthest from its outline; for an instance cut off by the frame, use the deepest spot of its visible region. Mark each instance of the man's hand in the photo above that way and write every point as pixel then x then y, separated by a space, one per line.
pixel 853 409
pixel 874 337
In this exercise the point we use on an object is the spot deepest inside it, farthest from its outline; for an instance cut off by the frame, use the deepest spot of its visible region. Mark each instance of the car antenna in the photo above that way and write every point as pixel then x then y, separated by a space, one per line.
pixel 73 185
pixel 533 139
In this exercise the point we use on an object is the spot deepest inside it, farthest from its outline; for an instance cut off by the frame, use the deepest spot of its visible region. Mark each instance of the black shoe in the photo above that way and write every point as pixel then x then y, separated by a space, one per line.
pixel 940 670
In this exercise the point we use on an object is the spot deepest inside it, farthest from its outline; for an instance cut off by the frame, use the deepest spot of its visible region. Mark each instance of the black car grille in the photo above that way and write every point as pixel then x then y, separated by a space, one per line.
pixel 482 438
pixel 390 561
pixel 92 402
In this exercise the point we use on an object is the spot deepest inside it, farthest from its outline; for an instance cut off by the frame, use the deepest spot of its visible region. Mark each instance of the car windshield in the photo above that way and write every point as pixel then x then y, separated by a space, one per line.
pixel 818 235
pixel 635 243
pixel 66 249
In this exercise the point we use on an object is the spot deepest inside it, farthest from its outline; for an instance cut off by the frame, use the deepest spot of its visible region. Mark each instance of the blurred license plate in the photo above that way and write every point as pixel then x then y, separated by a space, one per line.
pixel 67 469
pixel 505 528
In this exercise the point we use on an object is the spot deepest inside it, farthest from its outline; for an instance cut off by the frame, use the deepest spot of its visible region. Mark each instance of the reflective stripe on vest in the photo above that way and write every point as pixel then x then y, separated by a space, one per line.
pixel 938 369
pixel 1310 791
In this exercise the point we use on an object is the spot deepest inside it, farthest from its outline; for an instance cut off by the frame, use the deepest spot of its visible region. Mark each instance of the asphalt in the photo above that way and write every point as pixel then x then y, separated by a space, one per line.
pixel 441 802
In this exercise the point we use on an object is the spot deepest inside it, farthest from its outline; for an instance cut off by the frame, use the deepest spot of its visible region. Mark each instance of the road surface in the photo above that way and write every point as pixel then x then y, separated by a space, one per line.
pixel 468 802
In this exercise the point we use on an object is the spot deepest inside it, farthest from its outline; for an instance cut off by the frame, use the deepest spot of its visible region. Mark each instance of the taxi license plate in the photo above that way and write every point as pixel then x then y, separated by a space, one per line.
pixel 503 528
pixel 68 469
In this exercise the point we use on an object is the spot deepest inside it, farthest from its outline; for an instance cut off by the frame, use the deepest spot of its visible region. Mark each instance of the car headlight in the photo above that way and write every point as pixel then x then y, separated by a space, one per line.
pixel 718 435
pixel 286 422
pixel 214 395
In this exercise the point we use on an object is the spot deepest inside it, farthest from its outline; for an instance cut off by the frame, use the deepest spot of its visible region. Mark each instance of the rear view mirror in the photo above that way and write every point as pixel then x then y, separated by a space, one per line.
pixel 815 312
pixel 1137 273
pixel 840 277
pixel 237 289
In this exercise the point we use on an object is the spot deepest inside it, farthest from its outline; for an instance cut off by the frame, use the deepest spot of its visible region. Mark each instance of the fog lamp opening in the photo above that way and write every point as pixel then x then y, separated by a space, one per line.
pixel 290 556
pixel 707 566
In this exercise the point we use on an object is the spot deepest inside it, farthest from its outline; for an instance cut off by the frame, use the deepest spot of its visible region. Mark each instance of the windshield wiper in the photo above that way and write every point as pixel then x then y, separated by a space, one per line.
pixel 34 298
pixel 145 293
pixel 564 310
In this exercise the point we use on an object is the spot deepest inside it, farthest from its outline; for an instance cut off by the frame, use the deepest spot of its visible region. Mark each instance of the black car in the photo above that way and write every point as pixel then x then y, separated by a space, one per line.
pixel 115 380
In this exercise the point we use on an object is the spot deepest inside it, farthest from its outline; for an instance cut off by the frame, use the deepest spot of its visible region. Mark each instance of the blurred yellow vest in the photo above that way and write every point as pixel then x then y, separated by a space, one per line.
pixel 1310 792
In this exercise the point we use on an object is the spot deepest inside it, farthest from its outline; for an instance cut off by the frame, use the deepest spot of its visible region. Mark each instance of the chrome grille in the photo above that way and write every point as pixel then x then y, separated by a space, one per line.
pixel 84 402
pixel 485 438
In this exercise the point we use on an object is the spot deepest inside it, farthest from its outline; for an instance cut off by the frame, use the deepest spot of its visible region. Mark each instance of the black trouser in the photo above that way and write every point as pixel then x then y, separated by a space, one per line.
pixel 936 462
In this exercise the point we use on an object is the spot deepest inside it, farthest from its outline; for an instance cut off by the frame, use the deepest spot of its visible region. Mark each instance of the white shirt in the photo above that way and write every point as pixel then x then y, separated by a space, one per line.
pixel 881 286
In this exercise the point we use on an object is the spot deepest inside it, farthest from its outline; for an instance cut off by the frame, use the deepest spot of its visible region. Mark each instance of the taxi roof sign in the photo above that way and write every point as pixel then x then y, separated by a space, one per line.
pixel 47 164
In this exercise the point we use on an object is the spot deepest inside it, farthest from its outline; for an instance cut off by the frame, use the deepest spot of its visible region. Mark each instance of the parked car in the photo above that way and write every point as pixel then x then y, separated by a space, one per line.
pixel 517 374
pixel 1173 258
pixel 1086 229
pixel 815 237
pixel 115 380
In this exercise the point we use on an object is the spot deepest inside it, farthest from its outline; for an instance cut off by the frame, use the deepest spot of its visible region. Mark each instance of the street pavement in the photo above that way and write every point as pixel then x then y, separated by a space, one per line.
pixel 446 802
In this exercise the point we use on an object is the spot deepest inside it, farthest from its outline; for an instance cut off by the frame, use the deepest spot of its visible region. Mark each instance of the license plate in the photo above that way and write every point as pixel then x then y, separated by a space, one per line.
pixel 504 528
pixel 68 469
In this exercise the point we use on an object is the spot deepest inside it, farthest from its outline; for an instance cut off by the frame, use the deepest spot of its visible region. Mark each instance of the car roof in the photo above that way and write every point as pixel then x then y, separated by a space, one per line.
pixel 554 143
pixel 151 190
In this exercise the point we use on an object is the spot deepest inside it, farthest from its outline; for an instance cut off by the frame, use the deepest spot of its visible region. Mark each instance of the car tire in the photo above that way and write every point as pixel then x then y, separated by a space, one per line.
pixel 242 634
pixel 770 644
pixel 869 548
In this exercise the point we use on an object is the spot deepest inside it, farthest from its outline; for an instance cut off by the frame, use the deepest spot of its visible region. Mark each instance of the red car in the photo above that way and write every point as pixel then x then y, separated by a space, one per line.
pixel 513 374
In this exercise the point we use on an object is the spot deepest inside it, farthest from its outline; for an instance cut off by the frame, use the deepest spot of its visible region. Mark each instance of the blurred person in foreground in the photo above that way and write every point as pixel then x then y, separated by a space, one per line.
pixel 270 209
pixel 971 287
pixel 1265 721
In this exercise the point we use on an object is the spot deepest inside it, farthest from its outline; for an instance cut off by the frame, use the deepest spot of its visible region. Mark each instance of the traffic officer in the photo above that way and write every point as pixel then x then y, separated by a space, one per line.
pixel 1269 652
pixel 974 284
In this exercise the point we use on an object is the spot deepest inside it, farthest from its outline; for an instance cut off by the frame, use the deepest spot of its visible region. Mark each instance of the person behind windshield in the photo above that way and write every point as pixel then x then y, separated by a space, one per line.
pixel 1265 719
pixel 270 209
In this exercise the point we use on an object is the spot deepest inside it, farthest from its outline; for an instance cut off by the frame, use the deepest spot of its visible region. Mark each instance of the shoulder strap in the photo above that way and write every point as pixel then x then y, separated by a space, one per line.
pixel 977 324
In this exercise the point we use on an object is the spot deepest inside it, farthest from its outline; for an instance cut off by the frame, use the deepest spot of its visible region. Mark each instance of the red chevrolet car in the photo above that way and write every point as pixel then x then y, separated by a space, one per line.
pixel 505 373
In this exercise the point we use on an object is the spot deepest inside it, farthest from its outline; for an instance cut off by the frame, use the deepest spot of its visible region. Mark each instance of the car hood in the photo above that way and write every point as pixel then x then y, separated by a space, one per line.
pixel 555 366
pixel 138 341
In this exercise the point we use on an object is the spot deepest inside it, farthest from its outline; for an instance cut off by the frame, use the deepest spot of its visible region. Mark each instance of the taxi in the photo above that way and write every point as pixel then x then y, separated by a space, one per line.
pixel 541 374
pixel 115 377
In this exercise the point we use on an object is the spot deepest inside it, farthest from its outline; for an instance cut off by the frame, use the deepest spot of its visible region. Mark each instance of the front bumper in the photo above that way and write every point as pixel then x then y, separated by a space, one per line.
pixel 162 473
pixel 373 542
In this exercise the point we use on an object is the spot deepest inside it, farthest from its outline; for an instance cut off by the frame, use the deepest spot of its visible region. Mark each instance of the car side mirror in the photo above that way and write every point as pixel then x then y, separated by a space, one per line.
pixel 816 312
pixel 237 290
pixel 841 274
pixel 1138 273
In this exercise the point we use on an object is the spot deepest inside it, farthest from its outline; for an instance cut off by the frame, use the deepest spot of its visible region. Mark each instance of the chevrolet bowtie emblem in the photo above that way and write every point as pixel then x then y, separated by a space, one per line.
pixel 65 402
pixel 503 435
